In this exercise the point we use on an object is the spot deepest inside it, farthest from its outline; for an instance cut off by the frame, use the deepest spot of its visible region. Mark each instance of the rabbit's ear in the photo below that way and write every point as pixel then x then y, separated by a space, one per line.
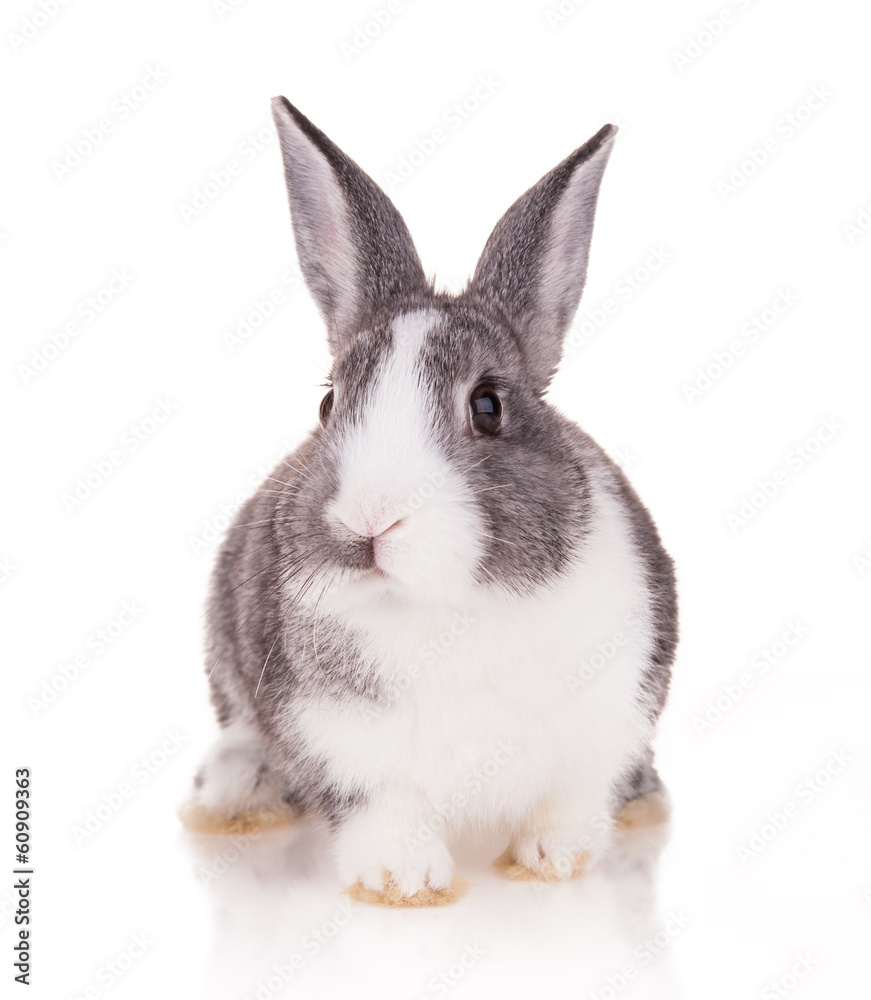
pixel 355 251
pixel 535 262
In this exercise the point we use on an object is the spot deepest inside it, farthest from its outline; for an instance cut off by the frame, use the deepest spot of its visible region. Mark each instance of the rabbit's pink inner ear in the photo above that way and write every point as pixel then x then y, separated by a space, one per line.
pixel 563 271
pixel 535 262
pixel 354 250
pixel 322 227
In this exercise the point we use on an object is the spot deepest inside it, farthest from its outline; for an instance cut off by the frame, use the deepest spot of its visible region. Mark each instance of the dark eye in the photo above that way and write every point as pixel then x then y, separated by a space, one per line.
pixel 485 410
pixel 326 407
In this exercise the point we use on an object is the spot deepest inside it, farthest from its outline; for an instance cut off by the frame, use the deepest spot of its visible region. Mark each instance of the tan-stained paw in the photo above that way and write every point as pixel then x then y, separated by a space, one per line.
pixel 565 869
pixel 197 819
pixel 646 810
pixel 390 894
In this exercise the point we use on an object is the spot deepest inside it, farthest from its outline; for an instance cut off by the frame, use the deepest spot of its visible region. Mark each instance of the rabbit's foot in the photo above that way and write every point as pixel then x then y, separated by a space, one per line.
pixel 236 791
pixel 554 856
pixel 646 810
pixel 406 888
pixel 198 818
pixel 376 865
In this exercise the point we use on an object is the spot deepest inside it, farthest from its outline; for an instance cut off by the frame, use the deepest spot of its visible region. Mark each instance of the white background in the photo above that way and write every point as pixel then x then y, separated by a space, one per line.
pixel 695 101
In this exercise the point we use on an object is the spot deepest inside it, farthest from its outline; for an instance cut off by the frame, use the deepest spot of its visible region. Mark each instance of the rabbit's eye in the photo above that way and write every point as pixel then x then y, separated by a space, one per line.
pixel 326 407
pixel 485 410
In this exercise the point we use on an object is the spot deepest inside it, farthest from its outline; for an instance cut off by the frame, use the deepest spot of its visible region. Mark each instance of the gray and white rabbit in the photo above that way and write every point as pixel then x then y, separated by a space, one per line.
pixel 447 613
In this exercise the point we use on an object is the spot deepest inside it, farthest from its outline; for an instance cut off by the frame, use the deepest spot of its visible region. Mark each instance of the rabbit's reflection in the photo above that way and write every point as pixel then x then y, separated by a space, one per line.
pixel 282 928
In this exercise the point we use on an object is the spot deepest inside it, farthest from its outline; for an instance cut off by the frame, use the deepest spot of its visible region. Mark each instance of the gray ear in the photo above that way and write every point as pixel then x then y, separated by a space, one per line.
pixel 534 265
pixel 354 250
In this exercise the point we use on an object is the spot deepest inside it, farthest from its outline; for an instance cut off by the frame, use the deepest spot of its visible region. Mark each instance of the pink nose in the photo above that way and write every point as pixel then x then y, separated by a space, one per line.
pixel 371 517
pixel 370 526
pixel 375 531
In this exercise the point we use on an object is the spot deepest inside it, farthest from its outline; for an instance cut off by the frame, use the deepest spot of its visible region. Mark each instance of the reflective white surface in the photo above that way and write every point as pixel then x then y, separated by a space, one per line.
pixel 282 927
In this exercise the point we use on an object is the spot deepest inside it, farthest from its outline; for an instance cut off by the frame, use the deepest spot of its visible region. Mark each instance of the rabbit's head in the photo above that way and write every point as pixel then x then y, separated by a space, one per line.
pixel 438 469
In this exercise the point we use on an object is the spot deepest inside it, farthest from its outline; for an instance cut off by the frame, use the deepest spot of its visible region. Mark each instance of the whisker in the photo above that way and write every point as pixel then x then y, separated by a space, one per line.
pixel 263 671
pixel 504 486
pixel 238 585
pixel 254 472
pixel 241 624
pixel 504 541
pixel 324 589
pixel 284 576
pixel 278 519
pixel 475 464
pixel 300 594
pixel 298 469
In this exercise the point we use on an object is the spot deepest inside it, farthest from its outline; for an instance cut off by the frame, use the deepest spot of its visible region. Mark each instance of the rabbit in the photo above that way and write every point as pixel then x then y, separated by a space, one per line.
pixel 447 614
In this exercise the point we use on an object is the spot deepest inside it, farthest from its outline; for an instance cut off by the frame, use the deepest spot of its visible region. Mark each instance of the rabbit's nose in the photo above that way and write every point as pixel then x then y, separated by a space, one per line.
pixel 380 536
pixel 374 531
pixel 370 525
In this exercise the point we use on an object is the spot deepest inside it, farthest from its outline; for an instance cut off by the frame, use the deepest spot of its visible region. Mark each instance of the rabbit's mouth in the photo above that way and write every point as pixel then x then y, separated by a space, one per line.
pixel 369 551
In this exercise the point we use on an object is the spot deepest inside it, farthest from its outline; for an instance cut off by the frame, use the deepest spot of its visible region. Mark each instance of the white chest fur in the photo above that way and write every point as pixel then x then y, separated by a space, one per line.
pixel 495 704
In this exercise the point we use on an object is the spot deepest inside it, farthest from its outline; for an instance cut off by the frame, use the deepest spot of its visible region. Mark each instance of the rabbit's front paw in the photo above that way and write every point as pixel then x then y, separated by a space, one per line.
pixel 236 791
pixel 554 856
pixel 646 810
pixel 379 868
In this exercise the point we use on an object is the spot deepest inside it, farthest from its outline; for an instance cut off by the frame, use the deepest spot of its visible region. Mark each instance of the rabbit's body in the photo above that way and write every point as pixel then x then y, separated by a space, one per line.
pixel 422 627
